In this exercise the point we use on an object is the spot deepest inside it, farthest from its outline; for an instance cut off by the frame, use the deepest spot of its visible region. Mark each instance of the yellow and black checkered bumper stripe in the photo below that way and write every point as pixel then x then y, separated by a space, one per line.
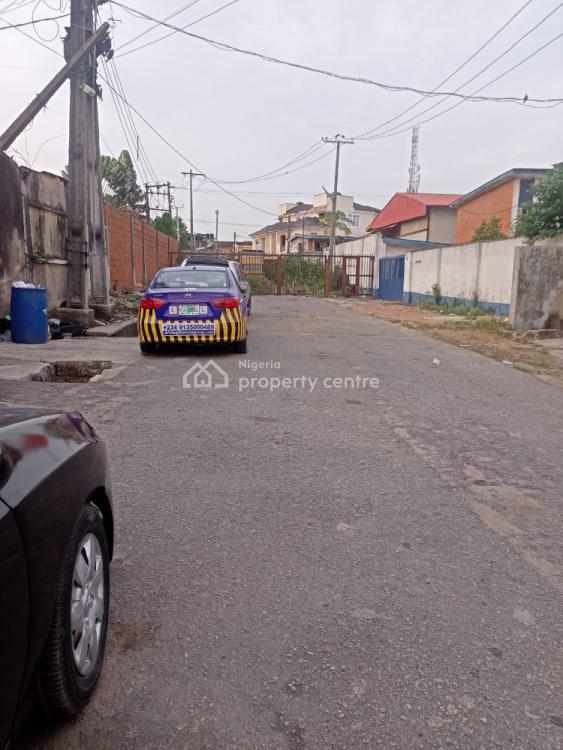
pixel 230 327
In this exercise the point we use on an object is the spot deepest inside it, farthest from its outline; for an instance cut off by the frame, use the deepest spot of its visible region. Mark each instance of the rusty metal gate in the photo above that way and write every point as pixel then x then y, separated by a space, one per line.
pixel 313 275
pixel 310 275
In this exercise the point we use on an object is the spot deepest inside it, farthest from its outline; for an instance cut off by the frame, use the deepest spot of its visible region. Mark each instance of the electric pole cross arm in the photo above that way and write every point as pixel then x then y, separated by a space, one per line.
pixel 21 122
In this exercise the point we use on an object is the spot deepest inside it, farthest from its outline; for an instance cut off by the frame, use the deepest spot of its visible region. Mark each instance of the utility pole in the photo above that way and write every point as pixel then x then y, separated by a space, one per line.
pixel 168 186
pixel 86 248
pixel 414 168
pixel 216 229
pixel 339 140
pixel 192 174
pixel 147 203
pixel 178 232
pixel 148 192
pixel 235 243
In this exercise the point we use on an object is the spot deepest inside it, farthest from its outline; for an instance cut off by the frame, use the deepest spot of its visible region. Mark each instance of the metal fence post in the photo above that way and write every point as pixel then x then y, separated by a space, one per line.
pixel 328 270
pixel 358 275
pixel 279 274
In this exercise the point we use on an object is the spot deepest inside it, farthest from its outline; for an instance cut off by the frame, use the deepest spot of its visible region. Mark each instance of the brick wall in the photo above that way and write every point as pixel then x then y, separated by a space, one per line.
pixel 136 250
pixel 495 202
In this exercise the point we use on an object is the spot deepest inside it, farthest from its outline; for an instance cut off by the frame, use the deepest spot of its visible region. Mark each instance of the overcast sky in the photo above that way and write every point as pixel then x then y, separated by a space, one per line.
pixel 237 117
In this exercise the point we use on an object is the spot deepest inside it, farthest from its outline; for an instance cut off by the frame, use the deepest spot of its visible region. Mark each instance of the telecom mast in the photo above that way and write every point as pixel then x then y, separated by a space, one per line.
pixel 414 169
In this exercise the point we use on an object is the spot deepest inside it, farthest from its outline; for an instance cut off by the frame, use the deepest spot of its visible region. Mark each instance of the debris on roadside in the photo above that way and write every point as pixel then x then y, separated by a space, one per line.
pixel 508 362
pixel 55 329
pixel 436 362
pixel 22 285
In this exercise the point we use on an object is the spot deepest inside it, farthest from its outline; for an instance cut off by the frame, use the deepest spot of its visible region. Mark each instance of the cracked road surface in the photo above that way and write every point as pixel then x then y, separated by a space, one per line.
pixel 335 568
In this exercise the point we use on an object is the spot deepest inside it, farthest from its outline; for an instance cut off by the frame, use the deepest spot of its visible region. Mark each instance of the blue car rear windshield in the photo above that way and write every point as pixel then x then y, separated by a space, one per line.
pixel 198 278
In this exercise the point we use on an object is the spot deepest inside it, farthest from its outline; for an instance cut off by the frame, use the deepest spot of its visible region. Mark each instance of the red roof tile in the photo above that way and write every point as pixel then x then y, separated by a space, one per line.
pixel 406 206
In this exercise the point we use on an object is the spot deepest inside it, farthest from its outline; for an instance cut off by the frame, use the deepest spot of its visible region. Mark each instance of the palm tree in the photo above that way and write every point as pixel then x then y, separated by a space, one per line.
pixel 342 222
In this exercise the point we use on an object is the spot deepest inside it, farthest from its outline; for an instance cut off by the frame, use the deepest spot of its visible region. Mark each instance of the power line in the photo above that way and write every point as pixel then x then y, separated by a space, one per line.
pixel 185 158
pixel 470 80
pixel 289 171
pixel 129 138
pixel 227 223
pixel 32 23
pixel 165 36
pixel 187 6
pixel 451 75
pixel 368 81
pixel 11 7
pixel 33 38
pixel 394 131
pixel 308 151
pixel 140 149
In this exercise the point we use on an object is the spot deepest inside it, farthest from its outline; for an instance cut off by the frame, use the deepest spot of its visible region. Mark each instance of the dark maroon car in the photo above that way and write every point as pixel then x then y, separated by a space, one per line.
pixel 56 541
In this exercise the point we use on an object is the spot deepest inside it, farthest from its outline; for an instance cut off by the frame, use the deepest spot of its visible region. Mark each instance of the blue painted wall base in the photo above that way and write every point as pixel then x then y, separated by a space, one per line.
pixel 497 308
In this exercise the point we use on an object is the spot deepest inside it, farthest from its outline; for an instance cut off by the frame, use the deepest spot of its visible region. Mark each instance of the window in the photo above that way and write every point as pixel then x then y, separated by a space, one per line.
pixel 192 279
pixel 354 220
pixel 525 194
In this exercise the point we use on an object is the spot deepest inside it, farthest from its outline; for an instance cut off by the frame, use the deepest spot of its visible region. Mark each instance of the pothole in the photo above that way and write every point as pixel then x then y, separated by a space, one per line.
pixel 71 372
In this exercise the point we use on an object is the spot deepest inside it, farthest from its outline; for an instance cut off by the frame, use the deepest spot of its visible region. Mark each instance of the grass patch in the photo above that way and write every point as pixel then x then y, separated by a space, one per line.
pixel 453 309
pixel 491 324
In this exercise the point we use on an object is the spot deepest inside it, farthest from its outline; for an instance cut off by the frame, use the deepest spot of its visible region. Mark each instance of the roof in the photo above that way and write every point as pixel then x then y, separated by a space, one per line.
pixel 407 206
pixel 512 174
pixel 404 242
pixel 310 221
pixel 361 207
pixel 299 207
pixel 310 237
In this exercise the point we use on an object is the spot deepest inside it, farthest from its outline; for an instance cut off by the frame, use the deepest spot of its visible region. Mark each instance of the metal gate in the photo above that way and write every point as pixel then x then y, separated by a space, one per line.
pixel 311 274
pixel 314 275
pixel 392 278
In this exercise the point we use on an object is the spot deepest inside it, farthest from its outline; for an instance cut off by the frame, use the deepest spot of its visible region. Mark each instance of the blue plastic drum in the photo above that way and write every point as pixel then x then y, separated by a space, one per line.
pixel 30 322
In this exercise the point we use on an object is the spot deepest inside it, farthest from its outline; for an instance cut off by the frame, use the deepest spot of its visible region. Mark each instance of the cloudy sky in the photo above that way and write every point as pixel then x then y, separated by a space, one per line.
pixel 238 117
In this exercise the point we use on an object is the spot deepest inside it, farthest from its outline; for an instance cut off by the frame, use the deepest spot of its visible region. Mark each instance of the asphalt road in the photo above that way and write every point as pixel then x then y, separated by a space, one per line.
pixel 328 567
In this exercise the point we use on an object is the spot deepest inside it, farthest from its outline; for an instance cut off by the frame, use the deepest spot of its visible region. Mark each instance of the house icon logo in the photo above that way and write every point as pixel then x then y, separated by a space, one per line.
pixel 208 375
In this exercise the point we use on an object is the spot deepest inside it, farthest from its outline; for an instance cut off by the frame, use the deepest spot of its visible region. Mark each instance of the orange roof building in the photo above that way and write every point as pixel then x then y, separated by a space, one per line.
pixel 418 216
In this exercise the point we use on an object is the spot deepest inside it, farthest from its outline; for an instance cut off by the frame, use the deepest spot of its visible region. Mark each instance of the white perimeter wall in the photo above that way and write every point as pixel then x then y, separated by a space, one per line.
pixel 461 271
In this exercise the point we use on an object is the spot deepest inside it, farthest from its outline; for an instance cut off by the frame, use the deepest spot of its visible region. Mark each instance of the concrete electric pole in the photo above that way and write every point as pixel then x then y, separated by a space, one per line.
pixel 414 168
pixel 192 174
pixel 339 140
pixel 86 242
pixel 216 229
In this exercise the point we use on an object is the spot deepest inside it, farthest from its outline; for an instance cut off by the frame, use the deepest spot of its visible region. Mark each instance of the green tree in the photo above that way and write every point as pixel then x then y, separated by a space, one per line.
pixel 167 225
pixel 489 230
pixel 342 222
pixel 543 217
pixel 120 177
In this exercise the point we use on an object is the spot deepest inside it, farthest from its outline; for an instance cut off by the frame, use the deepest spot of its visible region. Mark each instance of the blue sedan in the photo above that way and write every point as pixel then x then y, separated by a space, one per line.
pixel 193 305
